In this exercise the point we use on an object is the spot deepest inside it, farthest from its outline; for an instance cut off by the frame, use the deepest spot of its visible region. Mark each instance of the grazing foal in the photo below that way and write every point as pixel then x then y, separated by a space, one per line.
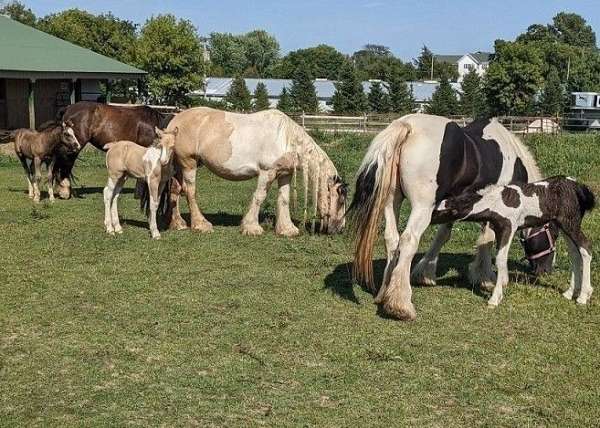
pixel 153 164
pixel 560 200
pixel 34 148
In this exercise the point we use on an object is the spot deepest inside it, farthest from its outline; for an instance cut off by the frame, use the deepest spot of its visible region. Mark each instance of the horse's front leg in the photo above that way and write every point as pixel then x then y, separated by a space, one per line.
pixel 108 198
pixel 425 272
pixel 504 240
pixel 37 178
pixel 250 224
pixel 579 248
pixel 51 179
pixel 28 174
pixel 284 225
pixel 154 193
pixel 480 270
pixel 114 204
pixel 199 222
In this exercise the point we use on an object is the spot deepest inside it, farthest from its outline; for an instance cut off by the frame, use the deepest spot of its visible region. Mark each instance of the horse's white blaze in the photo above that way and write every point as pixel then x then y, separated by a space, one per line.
pixel 72 134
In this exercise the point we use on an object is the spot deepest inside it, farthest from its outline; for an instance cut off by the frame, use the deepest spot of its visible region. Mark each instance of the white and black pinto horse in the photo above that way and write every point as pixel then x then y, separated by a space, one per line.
pixel 426 159
pixel 560 200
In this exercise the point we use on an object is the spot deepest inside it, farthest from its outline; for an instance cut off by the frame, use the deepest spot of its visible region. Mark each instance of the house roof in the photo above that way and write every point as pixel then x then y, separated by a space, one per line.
pixel 481 57
pixel 450 59
pixel 219 86
pixel 29 53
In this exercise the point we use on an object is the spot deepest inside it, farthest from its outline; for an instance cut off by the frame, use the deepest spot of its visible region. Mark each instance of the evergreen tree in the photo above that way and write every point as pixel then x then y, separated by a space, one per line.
pixel 379 100
pixel 302 92
pixel 285 103
pixel 349 96
pixel 423 64
pixel 401 97
pixel 472 102
pixel 238 97
pixel 261 97
pixel 443 101
pixel 553 97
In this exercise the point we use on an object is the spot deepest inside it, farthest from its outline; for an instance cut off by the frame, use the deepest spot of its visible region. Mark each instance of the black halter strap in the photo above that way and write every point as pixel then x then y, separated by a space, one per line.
pixel 551 244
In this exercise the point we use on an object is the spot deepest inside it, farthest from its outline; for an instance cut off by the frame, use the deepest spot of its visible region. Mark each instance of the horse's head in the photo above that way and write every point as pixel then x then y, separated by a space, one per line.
pixel 165 140
pixel 68 137
pixel 333 212
pixel 539 244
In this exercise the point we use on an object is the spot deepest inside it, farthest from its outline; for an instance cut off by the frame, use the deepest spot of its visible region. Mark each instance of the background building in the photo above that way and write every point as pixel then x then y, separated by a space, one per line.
pixel 39 74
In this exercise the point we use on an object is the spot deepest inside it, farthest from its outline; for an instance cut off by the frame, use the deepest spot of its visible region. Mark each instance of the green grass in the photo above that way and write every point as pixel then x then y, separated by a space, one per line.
pixel 226 330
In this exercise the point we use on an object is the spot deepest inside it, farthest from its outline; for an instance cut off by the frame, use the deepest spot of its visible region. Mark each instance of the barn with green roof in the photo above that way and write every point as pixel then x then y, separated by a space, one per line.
pixel 40 74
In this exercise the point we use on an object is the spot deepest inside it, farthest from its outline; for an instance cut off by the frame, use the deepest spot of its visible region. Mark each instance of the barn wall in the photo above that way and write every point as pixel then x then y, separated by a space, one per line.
pixel 2 103
pixel 17 112
pixel 50 97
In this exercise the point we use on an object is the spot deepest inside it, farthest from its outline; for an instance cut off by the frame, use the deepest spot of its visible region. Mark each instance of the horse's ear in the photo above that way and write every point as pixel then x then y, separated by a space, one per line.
pixel 63 125
pixel 69 123
pixel 176 131
pixel 158 131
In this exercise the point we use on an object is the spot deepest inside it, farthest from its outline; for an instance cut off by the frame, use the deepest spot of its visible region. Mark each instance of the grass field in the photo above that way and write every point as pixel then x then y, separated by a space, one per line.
pixel 226 330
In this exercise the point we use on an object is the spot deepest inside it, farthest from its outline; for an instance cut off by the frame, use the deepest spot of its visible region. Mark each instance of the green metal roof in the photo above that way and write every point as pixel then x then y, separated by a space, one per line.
pixel 27 51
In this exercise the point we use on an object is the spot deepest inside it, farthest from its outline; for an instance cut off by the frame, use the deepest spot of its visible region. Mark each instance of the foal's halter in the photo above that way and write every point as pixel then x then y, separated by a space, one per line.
pixel 551 244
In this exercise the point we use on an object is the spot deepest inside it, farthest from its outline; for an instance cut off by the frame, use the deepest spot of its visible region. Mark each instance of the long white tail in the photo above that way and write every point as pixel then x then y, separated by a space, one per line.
pixel 377 177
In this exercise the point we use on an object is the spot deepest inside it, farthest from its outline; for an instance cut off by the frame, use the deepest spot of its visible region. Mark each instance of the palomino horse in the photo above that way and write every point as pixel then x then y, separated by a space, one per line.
pixel 425 159
pixel 268 145
pixel 100 124
pixel 560 200
pixel 151 164
pixel 34 148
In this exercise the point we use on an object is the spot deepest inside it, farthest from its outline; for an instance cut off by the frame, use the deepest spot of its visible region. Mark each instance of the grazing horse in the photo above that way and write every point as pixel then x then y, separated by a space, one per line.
pixel 560 200
pixel 151 164
pixel 268 145
pixel 426 159
pixel 34 148
pixel 100 124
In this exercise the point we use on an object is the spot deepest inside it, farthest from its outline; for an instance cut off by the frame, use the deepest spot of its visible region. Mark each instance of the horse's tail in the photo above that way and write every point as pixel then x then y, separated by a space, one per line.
pixel 377 178
pixel 586 198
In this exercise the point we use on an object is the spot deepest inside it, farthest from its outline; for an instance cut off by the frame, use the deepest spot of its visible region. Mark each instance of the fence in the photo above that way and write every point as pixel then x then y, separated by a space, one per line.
pixel 373 123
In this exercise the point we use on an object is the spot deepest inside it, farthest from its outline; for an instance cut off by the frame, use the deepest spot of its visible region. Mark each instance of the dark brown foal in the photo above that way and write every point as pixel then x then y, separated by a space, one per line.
pixel 36 147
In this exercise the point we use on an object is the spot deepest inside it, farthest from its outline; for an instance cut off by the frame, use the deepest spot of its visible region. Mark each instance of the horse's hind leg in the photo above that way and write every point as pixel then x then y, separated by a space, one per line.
pixel 250 225
pixel 396 298
pixel 581 245
pixel 480 270
pixel 425 272
pixel 173 213
pixel 37 177
pixel 391 236
pixel 27 168
pixel 576 269
pixel 284 225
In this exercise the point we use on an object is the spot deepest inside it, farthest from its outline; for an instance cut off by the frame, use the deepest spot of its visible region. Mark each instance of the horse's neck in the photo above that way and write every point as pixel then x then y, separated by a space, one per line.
pixel 51 138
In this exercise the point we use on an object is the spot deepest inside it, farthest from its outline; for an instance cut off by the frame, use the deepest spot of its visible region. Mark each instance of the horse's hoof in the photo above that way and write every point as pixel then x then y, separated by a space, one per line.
pixel 51 200
pixel 402 313
pixel 582 300
pixel 252 230
pixel 568 294
pixel 204 227
pixel 492 305
pixel 487 286
pixel 288 232
pixel 156 237
pixel 119 231
pixel 178 225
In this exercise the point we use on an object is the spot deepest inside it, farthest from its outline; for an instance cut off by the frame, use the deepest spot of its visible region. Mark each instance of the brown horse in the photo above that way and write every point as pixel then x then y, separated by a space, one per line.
pixel 34 148
pixel 100 124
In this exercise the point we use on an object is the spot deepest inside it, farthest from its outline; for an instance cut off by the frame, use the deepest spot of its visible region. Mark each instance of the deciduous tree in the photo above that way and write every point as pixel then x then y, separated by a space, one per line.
pixel 19 12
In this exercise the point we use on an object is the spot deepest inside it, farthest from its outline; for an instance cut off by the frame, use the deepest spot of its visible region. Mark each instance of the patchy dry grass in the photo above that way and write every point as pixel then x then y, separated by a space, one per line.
pixel 225 330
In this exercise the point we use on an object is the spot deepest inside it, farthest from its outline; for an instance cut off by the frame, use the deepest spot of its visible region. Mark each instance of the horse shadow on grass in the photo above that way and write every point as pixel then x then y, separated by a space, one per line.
pixel 340 282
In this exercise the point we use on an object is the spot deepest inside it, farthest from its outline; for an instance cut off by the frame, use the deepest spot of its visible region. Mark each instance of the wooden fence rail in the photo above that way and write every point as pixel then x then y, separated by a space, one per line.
pixel 373 123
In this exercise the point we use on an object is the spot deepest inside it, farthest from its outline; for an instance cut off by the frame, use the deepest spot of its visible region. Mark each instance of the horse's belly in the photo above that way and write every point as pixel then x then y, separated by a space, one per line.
pixel 238 172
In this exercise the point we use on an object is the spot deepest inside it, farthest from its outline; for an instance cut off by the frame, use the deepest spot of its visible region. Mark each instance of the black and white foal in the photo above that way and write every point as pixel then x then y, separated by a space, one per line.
pixel 560 200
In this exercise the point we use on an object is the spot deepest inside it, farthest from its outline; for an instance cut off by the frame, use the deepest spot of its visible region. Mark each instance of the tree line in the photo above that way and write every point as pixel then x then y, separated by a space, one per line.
pixel 531 75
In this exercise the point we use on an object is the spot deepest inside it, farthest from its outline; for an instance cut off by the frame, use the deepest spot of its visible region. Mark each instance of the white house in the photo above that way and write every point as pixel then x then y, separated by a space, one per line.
pixel 478 61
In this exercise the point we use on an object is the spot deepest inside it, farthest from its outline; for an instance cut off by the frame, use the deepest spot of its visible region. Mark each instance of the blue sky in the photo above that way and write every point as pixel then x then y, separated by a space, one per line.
pixel 446 26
